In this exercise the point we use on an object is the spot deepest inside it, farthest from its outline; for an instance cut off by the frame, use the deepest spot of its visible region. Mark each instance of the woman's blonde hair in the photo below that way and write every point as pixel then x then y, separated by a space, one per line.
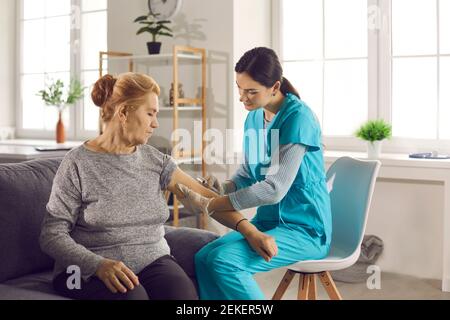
pixel 130 89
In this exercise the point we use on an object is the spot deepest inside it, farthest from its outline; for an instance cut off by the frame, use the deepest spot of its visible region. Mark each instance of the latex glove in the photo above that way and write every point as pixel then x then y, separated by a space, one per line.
pixel 213 184
pixel 193 201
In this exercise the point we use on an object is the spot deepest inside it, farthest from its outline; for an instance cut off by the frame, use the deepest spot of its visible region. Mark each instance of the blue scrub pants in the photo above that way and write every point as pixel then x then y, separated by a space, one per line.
pixel 225 267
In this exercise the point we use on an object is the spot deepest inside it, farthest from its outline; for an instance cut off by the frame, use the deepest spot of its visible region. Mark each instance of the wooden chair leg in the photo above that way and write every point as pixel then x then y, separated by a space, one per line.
pixel 284 284
pixel 329 286
pixel 312 294
pixel 303 287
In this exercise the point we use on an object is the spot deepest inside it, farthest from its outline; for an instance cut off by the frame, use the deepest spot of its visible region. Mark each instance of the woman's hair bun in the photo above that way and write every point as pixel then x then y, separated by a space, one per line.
pixel 103 90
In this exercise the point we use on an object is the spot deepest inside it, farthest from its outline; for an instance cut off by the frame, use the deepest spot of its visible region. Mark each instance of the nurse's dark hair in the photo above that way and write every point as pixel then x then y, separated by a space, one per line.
pixel 263 66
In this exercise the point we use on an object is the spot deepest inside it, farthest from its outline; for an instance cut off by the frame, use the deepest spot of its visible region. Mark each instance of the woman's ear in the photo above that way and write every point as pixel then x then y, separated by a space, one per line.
pixel 122 113
pixel 276 87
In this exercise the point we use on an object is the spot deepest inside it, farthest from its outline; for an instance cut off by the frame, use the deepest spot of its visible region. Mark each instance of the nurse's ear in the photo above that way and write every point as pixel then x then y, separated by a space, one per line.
pixel 276 87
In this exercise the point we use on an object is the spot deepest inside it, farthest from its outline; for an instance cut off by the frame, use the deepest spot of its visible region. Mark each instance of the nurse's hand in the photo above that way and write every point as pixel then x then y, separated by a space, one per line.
pixel 194 202
pixel 263 244
pixel 221 188
pixel 212 183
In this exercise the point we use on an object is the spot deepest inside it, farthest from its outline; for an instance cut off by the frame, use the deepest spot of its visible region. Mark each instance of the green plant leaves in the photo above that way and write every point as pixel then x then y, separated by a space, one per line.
pixel 141 18
pixel 374 130
pixel 154 27
pixel 53 94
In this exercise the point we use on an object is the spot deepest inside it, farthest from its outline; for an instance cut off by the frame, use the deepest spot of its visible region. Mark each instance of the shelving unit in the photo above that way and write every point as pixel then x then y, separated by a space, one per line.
pixel 179 54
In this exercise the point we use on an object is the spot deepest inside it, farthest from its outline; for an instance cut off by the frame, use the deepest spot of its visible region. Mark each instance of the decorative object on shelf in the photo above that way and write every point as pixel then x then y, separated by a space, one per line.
pixel 52 95
pixel 164 9
pixel 180 94
pixel 155 28
pixel 374 132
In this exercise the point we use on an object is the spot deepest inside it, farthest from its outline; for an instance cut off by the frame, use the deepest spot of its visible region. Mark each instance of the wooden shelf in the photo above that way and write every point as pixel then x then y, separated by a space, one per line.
pixel 156 57
pixel 189 160
pixel 182 108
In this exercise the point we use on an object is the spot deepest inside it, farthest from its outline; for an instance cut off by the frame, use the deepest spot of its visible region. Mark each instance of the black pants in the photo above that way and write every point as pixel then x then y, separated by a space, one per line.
pixel 164 279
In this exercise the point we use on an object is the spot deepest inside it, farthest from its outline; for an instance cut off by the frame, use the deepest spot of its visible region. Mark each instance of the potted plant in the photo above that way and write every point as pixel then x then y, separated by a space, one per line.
pixel 155 28
pixel 52 95
pixel 374 132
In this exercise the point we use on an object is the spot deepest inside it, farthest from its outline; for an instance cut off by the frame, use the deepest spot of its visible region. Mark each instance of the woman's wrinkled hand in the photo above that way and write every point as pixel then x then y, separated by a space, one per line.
pixel 116 276
pixel 263 244
pixel 193 201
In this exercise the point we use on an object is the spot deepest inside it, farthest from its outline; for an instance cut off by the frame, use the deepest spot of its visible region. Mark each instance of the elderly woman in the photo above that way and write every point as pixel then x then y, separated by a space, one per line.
pixel 107 210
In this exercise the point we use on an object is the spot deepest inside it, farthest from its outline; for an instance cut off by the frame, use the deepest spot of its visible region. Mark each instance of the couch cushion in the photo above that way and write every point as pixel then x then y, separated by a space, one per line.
pixel 40 282
pixel 24 192
pixel 15 293
pixel 184 243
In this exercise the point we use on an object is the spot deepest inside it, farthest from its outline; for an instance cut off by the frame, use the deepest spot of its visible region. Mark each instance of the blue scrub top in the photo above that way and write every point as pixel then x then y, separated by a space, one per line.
pixel 307 203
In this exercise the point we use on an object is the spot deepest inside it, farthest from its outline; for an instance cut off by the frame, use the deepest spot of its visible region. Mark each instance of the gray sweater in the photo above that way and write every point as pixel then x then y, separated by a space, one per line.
pixel 108 206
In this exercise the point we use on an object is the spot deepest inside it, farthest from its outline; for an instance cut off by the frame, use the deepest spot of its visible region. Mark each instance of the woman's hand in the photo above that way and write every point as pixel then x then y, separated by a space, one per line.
pixel 116 276
pixel 263 244
pixel 193 201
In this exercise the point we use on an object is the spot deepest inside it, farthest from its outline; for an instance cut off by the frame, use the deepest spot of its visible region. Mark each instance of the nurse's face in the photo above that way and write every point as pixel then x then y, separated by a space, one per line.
pixel 253 94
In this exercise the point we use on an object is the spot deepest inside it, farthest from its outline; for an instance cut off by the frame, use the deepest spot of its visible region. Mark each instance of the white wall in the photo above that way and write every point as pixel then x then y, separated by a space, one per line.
pixel 7 62
pixel 252 28
pixel 408 217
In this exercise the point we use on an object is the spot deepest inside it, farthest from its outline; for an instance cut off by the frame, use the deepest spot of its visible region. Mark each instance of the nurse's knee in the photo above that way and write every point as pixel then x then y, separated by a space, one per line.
pixel 201 256
pixel 220 259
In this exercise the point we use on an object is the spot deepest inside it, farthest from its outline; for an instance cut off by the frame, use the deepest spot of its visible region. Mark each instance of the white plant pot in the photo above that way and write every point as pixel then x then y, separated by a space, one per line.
pixel 374 149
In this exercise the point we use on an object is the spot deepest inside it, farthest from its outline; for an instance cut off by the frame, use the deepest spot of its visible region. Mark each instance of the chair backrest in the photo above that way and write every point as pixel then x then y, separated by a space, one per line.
pixel 352 184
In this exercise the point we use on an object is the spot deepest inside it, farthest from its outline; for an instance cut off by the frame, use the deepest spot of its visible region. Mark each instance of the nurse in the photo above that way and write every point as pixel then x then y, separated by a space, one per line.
pixel 283 175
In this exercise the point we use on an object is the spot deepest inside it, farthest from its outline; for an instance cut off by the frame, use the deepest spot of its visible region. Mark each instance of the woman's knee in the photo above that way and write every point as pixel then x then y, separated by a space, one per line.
pixel 96 290
pixel 138 293
pixel 179 287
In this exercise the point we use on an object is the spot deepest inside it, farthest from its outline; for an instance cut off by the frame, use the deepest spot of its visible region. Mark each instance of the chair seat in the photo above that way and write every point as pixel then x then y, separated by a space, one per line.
pixel 334 261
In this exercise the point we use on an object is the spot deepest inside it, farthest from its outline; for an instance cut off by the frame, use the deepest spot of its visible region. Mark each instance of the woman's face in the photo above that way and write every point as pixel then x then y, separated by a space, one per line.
pixel 142 122
pixel 253 94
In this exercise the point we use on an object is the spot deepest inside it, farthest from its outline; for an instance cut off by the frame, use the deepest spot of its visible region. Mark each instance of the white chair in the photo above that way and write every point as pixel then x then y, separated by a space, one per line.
pixel 351 194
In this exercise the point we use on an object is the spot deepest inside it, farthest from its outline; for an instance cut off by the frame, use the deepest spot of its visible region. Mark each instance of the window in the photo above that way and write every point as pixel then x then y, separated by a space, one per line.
pixel 355 60
pixel 419 73
pixel 326 57
pixel 60 39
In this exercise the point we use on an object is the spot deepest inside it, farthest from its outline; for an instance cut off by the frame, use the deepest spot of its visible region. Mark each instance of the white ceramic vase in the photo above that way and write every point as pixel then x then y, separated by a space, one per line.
pixel 374 149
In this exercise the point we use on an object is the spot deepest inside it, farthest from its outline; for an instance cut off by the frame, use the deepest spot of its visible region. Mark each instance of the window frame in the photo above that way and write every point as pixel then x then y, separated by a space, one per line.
pixel 75 129
pixel 379 81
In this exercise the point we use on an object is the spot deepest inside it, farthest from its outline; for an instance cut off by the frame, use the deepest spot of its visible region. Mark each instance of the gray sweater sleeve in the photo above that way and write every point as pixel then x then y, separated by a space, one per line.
pixel 275 187
pixel 62 214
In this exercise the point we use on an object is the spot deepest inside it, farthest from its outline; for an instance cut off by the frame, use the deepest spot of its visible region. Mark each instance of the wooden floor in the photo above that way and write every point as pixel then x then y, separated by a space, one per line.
pixel 393 287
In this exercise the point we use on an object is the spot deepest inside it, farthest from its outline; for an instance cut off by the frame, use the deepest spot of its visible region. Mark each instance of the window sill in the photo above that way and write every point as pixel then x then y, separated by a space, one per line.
pixel 391 159
pixel 36 143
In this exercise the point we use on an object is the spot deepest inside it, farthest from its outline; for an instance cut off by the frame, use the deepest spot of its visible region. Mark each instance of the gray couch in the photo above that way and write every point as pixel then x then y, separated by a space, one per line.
pixel 25 271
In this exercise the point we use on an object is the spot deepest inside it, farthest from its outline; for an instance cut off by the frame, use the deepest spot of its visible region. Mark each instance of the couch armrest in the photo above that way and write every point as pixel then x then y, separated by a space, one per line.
pixel 184 243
